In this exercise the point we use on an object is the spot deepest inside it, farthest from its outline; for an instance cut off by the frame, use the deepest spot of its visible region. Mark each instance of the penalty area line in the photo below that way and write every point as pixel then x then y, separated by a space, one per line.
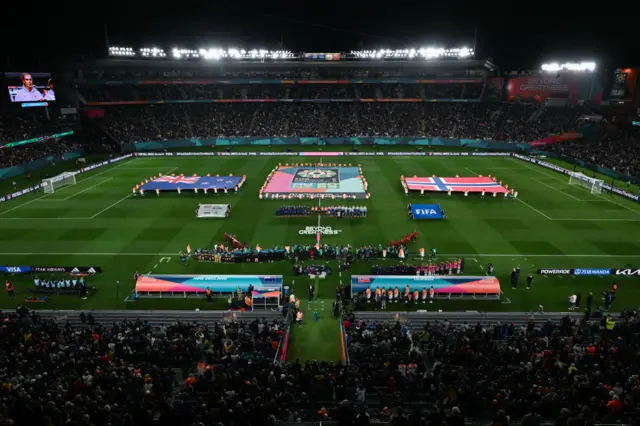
pixel 556 189
pixel 533 208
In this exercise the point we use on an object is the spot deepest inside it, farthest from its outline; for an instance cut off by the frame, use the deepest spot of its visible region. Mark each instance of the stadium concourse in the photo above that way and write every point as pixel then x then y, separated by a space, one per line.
pixel 119 358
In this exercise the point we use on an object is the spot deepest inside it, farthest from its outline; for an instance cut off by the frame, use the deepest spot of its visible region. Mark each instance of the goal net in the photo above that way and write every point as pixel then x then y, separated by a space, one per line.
pixel 593 185
pixel 49 185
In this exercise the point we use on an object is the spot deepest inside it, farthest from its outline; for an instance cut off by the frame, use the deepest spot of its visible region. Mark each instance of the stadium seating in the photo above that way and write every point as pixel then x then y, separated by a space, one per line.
pixel 509 123
pixel 613 149
pixel 210 368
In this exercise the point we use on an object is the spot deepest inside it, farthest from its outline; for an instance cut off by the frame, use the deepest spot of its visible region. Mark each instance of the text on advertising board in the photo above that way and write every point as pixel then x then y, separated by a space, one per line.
pixel 627 272
pixel 426 211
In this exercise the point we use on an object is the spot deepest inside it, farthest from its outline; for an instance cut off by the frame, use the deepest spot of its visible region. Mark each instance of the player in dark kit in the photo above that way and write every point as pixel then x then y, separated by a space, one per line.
pixel 529 281
pixel 11 291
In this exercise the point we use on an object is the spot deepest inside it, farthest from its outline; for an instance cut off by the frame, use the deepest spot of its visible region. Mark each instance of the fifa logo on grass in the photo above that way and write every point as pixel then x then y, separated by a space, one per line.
pixel 426 212
pixel 323 230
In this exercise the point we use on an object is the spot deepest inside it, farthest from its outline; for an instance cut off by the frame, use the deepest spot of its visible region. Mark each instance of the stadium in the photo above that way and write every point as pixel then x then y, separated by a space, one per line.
pixel 398 236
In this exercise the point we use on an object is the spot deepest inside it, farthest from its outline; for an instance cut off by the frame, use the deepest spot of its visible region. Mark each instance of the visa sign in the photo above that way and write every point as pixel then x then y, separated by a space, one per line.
pixel 15 269
pixel 426 211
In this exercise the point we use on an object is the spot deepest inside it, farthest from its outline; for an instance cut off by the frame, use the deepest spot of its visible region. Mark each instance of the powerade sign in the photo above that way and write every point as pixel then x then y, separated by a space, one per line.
pixel 426 211
pixel 591 271
pixel 555 271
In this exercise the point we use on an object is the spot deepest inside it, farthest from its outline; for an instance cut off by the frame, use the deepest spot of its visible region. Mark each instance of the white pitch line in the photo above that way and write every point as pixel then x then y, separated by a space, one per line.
pixel 122 199
pixel 535 169
pixel 621 256
pixel 84 190
pixel 533 208
pixel 44 218
pixel 86 218
pixel 22 205
pixel 556 189
pixel 110 168
pixel 107 208
pixel 61 189
pixel 614 202
pixel 142 168
pixel 477 174
pixel 599 220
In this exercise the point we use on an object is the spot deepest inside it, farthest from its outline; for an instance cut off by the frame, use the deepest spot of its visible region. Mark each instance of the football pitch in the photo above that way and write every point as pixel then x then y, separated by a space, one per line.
pixel 97 223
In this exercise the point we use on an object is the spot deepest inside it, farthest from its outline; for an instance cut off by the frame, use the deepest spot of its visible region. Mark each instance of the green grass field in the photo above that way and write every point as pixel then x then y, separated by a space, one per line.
pixel 97 223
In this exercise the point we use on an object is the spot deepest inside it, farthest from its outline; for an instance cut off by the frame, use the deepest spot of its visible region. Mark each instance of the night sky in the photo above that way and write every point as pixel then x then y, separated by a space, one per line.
pixel 519 40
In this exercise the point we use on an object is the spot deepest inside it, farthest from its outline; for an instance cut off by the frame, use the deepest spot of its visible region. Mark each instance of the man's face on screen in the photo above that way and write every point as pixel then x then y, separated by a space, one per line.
pixel 27 81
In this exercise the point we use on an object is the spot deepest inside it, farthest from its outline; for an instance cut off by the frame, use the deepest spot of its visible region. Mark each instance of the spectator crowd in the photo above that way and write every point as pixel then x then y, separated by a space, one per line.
pixel 32 152
pixel 506 122
pixel 172 92
pixel 569 373
pixel 612 149
pixel 501 122
pixel 335 211
pixel 572 372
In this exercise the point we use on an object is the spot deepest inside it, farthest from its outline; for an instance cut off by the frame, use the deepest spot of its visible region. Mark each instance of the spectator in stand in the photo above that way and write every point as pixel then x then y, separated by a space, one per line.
pixel 615 149
pixel 509 122
pixel 31 152
pixel 125 374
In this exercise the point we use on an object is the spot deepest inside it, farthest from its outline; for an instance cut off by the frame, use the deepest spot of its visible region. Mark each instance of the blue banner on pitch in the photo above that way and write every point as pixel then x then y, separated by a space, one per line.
pixel 426 211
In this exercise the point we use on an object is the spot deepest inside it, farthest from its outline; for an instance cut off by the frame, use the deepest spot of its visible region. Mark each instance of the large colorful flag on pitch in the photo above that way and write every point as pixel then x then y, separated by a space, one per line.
pixel 178 179
pixel 444 184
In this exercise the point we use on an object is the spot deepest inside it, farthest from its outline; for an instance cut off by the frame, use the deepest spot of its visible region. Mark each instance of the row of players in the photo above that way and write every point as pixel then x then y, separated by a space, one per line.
pixel 337 211
pixel 53 284
pixel 392 295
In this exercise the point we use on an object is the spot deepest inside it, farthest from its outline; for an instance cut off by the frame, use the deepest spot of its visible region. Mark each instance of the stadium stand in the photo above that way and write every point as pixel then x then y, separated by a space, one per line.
pixel 68 368
pixel 160 368
pixel 508 122
pixel 29 153
pixel 613 149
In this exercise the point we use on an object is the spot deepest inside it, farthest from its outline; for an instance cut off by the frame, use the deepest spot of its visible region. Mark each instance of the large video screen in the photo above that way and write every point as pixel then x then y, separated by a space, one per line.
pixel 30 87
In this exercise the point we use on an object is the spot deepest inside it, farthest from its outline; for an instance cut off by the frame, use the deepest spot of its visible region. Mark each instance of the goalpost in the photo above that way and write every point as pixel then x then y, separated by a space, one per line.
pixel 594 185
pixel 49 185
